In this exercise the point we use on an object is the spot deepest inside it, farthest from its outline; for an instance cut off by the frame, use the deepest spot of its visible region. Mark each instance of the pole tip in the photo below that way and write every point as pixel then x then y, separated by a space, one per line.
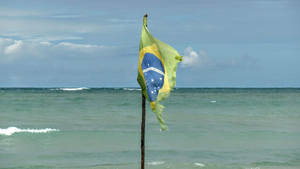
pixel 145 19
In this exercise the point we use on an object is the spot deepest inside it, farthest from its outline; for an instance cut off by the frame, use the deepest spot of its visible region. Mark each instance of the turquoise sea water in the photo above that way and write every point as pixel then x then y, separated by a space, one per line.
pixel 100 129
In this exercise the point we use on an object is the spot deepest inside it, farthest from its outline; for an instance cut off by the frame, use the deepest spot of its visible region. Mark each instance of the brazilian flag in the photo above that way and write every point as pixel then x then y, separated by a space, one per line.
pixel 156 70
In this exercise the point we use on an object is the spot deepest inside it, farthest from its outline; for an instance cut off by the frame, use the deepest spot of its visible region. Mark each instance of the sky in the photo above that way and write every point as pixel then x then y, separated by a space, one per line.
pixel 95 43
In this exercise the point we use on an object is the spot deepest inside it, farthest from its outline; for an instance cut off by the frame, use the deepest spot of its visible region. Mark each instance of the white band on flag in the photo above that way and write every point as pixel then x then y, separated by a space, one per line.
pixel 153 69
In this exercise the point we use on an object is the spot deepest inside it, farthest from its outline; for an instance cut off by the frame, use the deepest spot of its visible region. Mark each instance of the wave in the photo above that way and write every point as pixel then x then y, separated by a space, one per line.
pixel 156 163
pixel 72 89
pixel 213 101
pixel 11 130
pixel 131 89
pixel 199 164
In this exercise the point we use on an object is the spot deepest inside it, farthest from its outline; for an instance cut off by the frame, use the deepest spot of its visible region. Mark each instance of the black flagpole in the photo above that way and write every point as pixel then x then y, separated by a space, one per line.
pixel 143 119
pixel 143 132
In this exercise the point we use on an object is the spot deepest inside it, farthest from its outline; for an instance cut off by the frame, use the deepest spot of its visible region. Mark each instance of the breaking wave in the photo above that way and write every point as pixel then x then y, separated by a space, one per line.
pixel 73 89
pixel 156 163
pixel 199 164
pixel 131 89
pixel 11 130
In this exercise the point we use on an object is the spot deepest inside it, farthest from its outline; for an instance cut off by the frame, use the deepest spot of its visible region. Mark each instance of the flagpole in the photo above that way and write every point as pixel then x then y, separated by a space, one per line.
pixel 143 119
pixel 143 132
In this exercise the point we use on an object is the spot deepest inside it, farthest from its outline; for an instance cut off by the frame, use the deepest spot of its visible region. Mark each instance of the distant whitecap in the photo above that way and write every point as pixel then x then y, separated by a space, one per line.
pixel 73 89
pixel 213 101
pixel 131 89
pixel 156 163
pixel 11 130
pixel 199 164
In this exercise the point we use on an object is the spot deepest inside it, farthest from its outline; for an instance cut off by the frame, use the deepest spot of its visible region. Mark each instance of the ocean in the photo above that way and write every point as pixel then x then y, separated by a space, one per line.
pixel 208 128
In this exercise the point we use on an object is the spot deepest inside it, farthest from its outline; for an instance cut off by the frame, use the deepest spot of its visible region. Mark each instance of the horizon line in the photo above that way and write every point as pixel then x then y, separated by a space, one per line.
pixel 288 87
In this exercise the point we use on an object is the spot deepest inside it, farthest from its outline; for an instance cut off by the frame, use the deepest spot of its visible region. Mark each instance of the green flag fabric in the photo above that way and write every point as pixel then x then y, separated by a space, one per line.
pixel 156 70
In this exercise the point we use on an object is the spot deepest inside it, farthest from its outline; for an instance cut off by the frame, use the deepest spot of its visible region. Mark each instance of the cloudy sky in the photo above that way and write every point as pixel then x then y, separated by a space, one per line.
pixel 94 43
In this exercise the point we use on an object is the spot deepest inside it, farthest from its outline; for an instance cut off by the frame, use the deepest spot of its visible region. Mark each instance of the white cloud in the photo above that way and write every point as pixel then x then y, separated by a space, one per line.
pixel 11 50
pixel 15 47
pixel 196 59
pixel 191 58
pixel 201 60
pixel 51 38
pixel 46 43
pixel 79 46
pixel 5 42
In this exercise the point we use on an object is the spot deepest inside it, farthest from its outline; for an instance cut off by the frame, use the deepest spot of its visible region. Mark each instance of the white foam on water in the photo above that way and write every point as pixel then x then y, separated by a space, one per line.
pixel 73 89
pixel 130 89
pixel 11 130
pixel 199 164
pixel 213 101
pixel 156 163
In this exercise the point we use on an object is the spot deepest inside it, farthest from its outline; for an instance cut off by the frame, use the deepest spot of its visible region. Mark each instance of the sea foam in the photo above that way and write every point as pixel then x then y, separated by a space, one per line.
pixel 156 163
pixel 131 89
pixel 73 89
pixel 199 164
pixel 11 130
